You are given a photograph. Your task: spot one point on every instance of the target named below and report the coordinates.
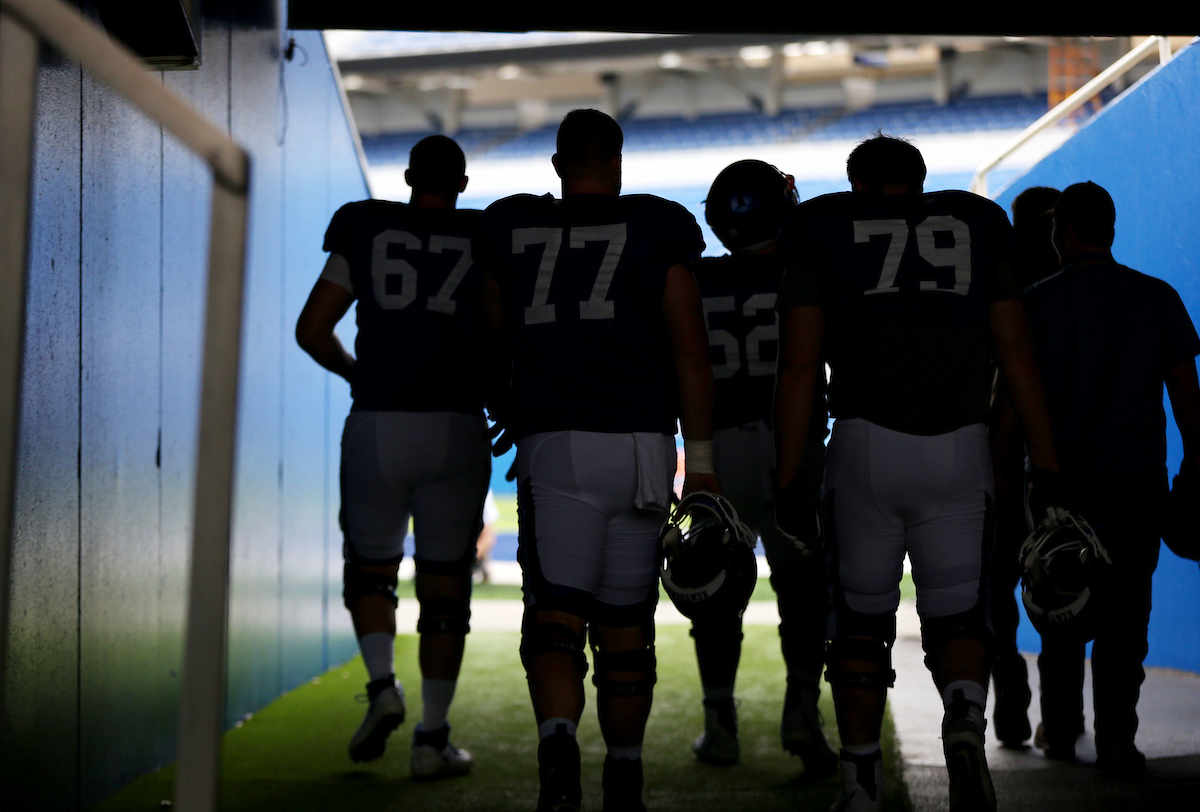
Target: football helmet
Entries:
(747, 204)
(708, 567)
(1064, 568)
(1181, 531)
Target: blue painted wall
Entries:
(110, 403)
(1142, 149)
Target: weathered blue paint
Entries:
(1142, 149)
(108, 437)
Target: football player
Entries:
(906, 296)
(415, 441)
(745, 208)
(599, 346)
(1032, 211)
(1094, 324)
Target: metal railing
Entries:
(22, 24)
(1071, 104)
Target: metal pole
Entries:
(18, 75)
(116, 66)
(1067, 106)
(203, 686)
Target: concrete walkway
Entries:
(1169, 734)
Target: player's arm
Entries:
(1008, 453)
(1013, 350)
(325, 307)
(801, 330)
(497, 363)
(1183, 388)
(689, 348)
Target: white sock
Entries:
(862, 767)
(551, 726)
(379, 654)
(631, 753)
(861, 749)
(436, 694)
(972, 694)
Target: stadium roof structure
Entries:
(1017, 18)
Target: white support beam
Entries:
(18, 75)
(1070, 104)
(203, 689)
(202, 712)
(115, 65)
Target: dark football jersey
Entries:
(418, 305)
(905, 282)
(581, 283)
(738, 293)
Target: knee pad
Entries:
(972, 624)
(443, 614)
(460, 567)
(552, 638)
(357, 583)
(638, 661)
(877, 652)
(634, 614)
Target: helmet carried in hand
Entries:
(1064, 570)
(708, 567)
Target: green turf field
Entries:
(292, 755)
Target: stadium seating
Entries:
(742, 129)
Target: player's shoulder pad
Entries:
(659, 205)
(967, 201)
(520, 201)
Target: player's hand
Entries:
(1181, 531)
(498, 432)
(700, 482)
(1048, 498)
(798, 517)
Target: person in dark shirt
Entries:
(745, 208)
(415, 441)
(1107, 339)
(598, 348)
(907, 296)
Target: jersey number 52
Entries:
(747, 352)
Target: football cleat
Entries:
(384, 714)
(800, 732)
(862, 783)
(718, 744)
(622, 782)
(433, 756)
(558, 772)
(970, 781)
